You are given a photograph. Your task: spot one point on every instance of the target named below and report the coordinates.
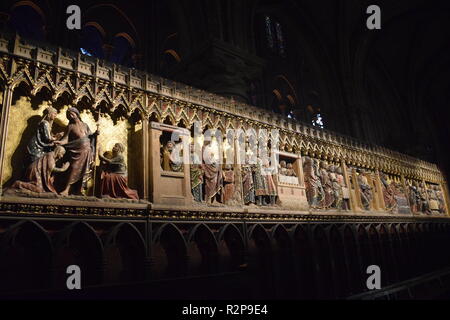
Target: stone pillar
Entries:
(7, 99)
(406, 189)
(301, 175)
(145, 158)
(148, 268)
(444, 190)
(380, 205)
(238, 162)
(351, 200)
(347, 182)
(358, 201)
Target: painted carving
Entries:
(313, 184)
(196, 173)
(365, 190)
(248, 189)
(213, 176)
(39, 177)
(114, 180)
(43, 141)
(388, 192)
(79, 143)
(169, 162)
(228, 184)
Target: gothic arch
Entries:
(285, 268)
(339, 260)
(324, 267)
(78, 244)
(25, 257)
(169, 251)
(305, 262)
(231, 247)
(364, 249)
(202, 250)
(125, 252)
(353, 259)
(260, 256)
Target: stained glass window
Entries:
(280, 40)
(317, 121)
(291, 115)
(84, 51)
(269, 33)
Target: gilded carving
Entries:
(110, 105)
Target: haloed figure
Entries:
(78, 141)
(114, 175)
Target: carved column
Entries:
(347, 182)
(7, 98)
(380, 199)
(371, 180)
(444, 190)
(301, 176)
(358, 203)
(145, 157)
(238, 167)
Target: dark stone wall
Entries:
(215, 259)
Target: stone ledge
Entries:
(77, 208)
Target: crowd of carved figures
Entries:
(325, 185)
(63, 163)
(425, 198)
(213, 182)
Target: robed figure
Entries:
(43, 140)
(213, 176)
(114, 176)
(269, 183)
(79, 142)
(169, 160)
(388, 192)
(196, 173)
(314, 189)
(228, 184)
(39, 176)
(248, 188)
(366, 190)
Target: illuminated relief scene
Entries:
(140, 178)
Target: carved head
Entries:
(50, 113)
(283, 164)
(72, 114)
(59, 152)
(170, 145)
(118, 148)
